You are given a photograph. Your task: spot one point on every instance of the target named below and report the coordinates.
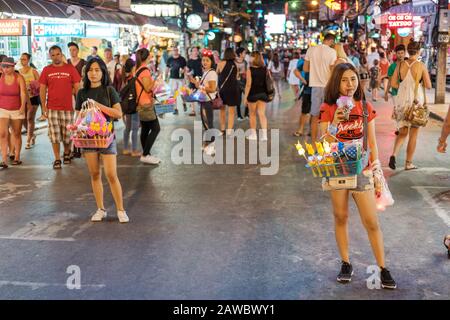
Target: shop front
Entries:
(34, 27)
(14, 37)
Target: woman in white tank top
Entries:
(404, 78)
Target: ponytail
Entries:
(141, 56)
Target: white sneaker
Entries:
(122, 215)
(98, 216)
(150, 159)
(210, 149)
(252, 136)
(264, 135)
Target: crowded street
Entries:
(218, 231)
(190, 152)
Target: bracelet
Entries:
(332, 129)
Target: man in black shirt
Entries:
(176, 65)
(194, 67)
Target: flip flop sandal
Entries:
(12, 157)
(57, 164)
(67, 159)
(16, 163)
(297, 134)
(410, 166)
(3, 165)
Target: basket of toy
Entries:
(91, 130)
(193, 95)
(336, 159)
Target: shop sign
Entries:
(59, 30)
(404, 32)
(400, 20)
(443, 38)
(102, 31)
(14, 27)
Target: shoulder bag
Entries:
(349, 182)
(146, 112)
(418, 114)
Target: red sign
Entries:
(400, 20)
(14, 27)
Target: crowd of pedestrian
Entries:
(317, 76)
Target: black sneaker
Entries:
(175, 112)
(345, 276)
(386, 279)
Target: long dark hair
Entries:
(105, 75)
(332, 92)
(127, 69)
(276, 60)
(141, 55)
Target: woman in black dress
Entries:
(256, 95)
(228, 89)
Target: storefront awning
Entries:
(55, 9)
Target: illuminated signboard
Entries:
(400, 20)
(59, 30)
(276, 23)
(157, 10)
(334, 5)
(14, 27)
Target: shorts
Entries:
(35, 101)
(364, 182)
(317, 97)
(57, 126)
(176, 84)
(306, 103)
(11, 114)
(375, 84)
(112, 149)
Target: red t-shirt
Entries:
(352, 129)
(59, 82)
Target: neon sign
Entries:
(400, 20)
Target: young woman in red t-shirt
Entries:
(344, 81)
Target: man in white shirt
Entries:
(372, 56)
(319, 61)
(110, 63)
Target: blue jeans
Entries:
(131, 126)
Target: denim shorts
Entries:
(112, 149)
(364, 182)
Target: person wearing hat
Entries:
(13, 99)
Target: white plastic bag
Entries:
(383, 196)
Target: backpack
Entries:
(129, 96)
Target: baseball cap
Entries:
(8, 62)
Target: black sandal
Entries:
(16, 163)
(12, 157)
(3, 165)
(67, 159)
(392, 162)
(57, 164)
